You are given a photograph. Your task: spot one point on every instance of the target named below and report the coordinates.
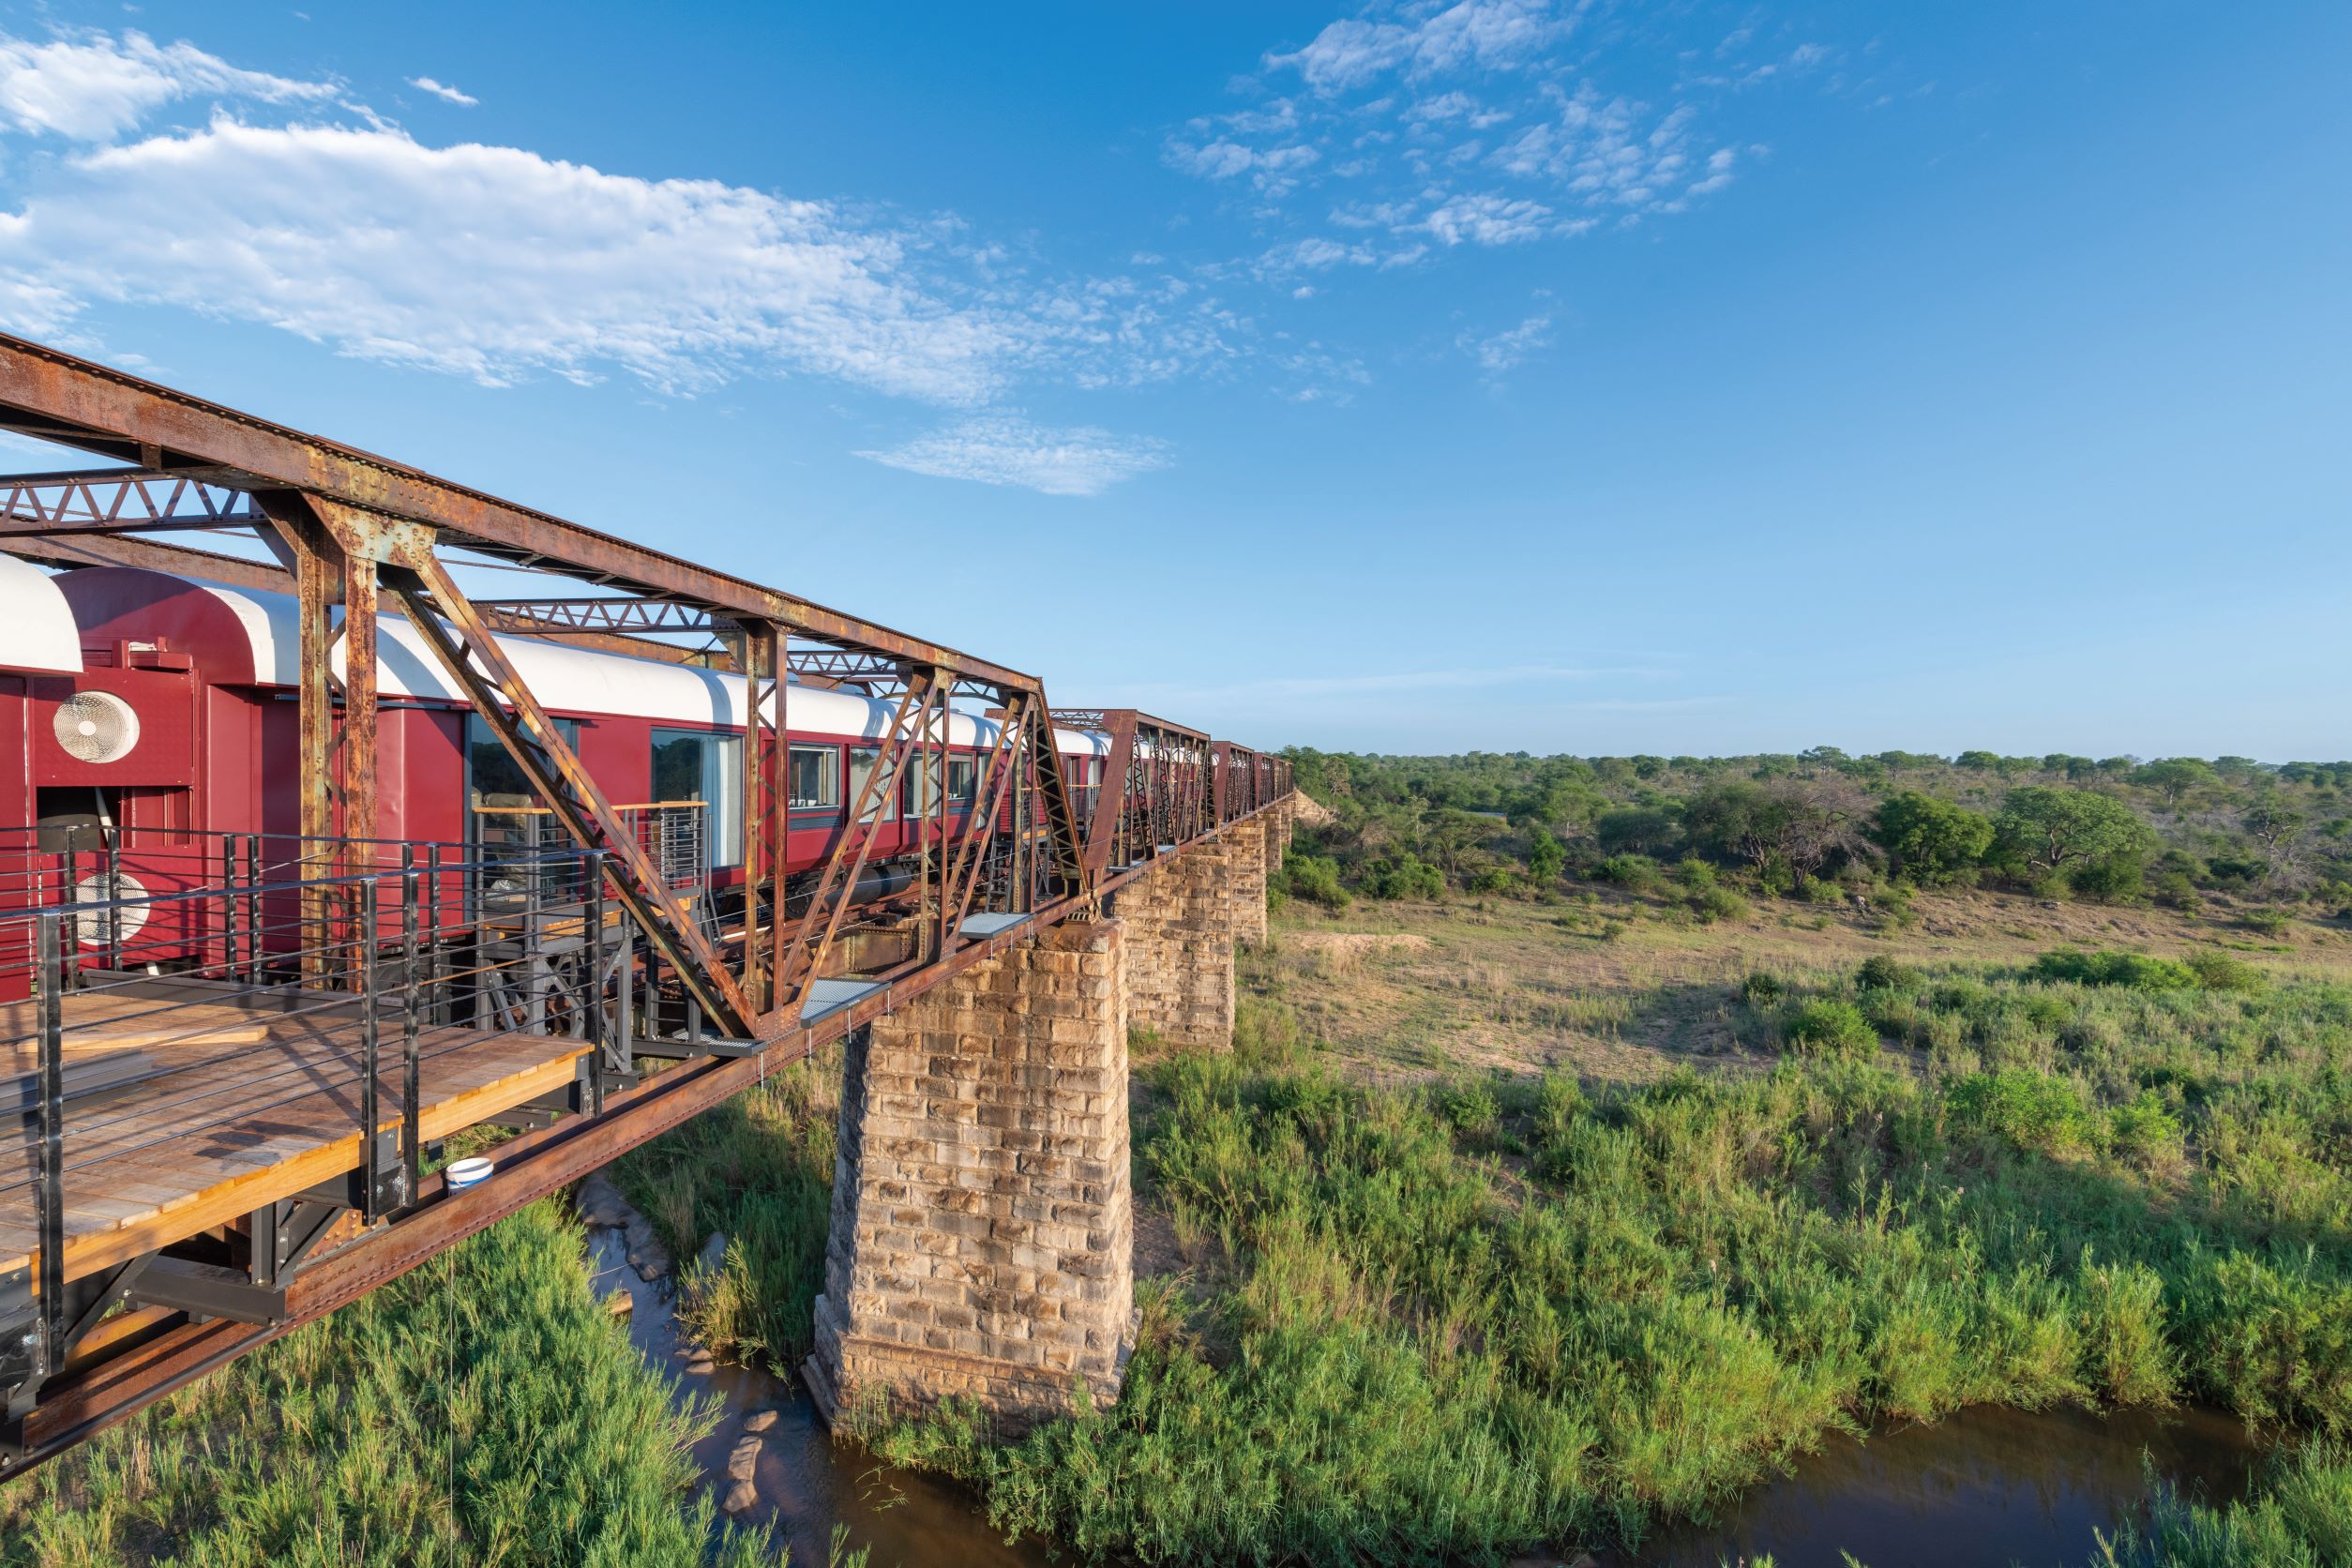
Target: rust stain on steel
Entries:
(69, 400)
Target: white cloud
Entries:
(443, 91)
(1504, 352)
(1486, 218)
(1475, 33)
(1273, 170)
(90, 86)
(1004, 449)
(492, 262)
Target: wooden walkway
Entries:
(193, 1103)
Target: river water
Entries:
(1985, 1489)
(807, 1482)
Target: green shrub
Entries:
(2146, 1133)
(1761, 989)
(1470, 1107)
(2136, 970)
(1404, 877)
(1882, 972)
(1828, 1028)
(1712, 904)
(2029, 1109)
(1315, 879)
(1637, 871)
(2270, 923)
(2219, 972)
(1694, 874)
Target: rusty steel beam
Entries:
(804, 961)
(120, 549)
(114, 501)
(60, 398)
(476, 664)
(611, 613)
(239, 571)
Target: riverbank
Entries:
(1437, 1311)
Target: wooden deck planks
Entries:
(249, 1100)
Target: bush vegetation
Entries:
(1398, 1347)
(1824, 827)
(478, 1410)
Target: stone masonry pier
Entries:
(983, 1224)
(982, 1229)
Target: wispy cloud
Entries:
(443, 91)
(493, 263)
(1004, 449)
(1477, 124)
(502, 264)
(86, 86)
(1504, 352)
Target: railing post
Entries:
(369, 1115)
(69, 896)
(114, 896)
(229, 906)
(51, 1218)
(253, 908)
(592, 997)
(534, 1003)
(412, 1148)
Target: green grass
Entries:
(2302, 1518)
(481, 1411)
(1417, 1332)
(759, 1170)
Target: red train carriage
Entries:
(179, 727)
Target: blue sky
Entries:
(1502, 374)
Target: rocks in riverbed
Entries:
(647, 1256)
(743, 1460)
(741, 1498)
(601, 1202)
(759, 1421)
(620, 1303)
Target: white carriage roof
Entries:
(37, 632)
(569, 679)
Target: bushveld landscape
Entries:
(1597, 1139)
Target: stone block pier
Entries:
(983, 1233)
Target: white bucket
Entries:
(465, 1173)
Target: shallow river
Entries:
(1982, 1489)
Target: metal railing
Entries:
(215, 1010)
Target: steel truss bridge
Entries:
(90, 1332)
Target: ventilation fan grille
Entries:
(97, 727)
(94, 928)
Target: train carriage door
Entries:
(705, 767)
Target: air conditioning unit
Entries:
(96, 726)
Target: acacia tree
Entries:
(2049, 829)
(1931, 840)
(2175, 776)
(1805, 824)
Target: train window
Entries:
(863, 760)
(963, 779)
(503, 812)
(815, 778)
(695, 764)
